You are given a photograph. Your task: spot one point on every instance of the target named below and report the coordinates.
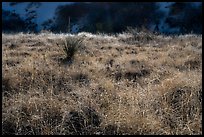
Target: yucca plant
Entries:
(71, 46)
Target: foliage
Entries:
(186, 17)
(8, 19)
(107, 16)
(31, 16)
(71, 46)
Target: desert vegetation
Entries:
(134, 83)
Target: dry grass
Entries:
(122, 84)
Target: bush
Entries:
(71, 46)
(138, 36)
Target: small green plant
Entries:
(71, 46)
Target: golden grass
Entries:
(115, 85)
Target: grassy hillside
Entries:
(130, 83)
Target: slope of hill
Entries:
(130, 83)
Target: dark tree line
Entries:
(11, 22)
(108, 17)
(116, 17)
(186, 16)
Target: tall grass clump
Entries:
(71, 46)
(139, 36)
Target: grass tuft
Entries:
(71, 46)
